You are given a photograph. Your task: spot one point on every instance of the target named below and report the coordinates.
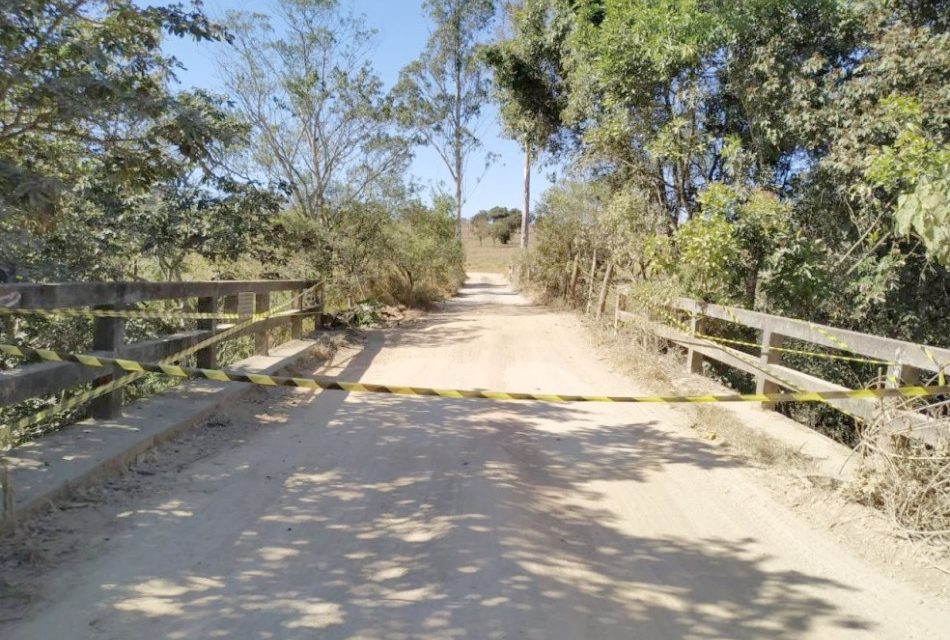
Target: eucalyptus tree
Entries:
(529, 82)
(442, 94)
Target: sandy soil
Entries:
(366, 516)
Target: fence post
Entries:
(321, 307)
(207, 358)
(768, 356)
(694, 359)
(108, 335)
(262, 337)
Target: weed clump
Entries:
(907, 478)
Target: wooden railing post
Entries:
(262, 337)
(296, 323)
(321, 308)
(694, 359)
(899, 374)
(768, 356)
(108, 335)
(207, 358)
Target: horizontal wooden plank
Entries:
(39, 379)
(43, 378)
(907, 353)
(88, 294)
(905, 422)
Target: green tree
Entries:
(87, 80)
(425, 250)
(89, 128)
(321, 125)
(480, 226)
(528, 75)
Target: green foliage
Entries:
(85, 105)
(708, 250)
(791, 156)
(565, 230)
(527, 73)
(481, 226)
(503, 223)
(103, 169)
(425, 250)
(797, 275)
(919, 170)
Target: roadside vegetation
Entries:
(298, 168)
(791, 157)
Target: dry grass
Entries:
(486, 257)
(907, 479)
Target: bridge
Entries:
(253, 511)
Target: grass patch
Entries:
(488, 256)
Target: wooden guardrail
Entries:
(908, 362)
(108, 337)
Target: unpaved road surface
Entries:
(368, 516)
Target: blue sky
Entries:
(402, 32)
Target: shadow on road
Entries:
(409, 517)
(472, 521)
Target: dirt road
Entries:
(359, 516)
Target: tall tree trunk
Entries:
(458, 125)
(526, 210)
(575, 270)
(458, 193)
(602, 300)
(590, 282)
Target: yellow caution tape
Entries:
(134, 313)
(317, 383)
(803, 352)
(815, 354)
(754, 363)
(139, 372)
